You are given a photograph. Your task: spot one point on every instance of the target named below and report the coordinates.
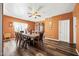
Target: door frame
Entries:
(59, 30)
(74, 29)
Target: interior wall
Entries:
(76, 14)
(9, 29)
(53, 32)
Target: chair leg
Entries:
(29, 43)
(33, 42)
(25, 44)
(20, 43)
(16, 43)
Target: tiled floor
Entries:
(51, 48)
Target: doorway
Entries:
(74, 30)
(64, 30)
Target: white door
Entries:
(64, 30)
(74, 30)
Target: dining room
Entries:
(18, 31)
(33, 29)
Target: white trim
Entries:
(77, 52)
(74, 29)
(51, 39)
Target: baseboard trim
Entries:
(5, 40)
(77, 52)
(51, 39)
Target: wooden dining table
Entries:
(32, 36)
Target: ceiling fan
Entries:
(34, 12)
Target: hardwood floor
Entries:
(0, 50)
(51, 48)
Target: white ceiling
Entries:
(20, 10)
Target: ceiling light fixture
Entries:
(34, 12)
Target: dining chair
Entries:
(26, 41)
(39, 40)
(42, 40)
(19, 39)
(16, 37)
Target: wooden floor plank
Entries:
(51, 48)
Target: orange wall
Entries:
(9, 19)
(53, 32)
(76, 13)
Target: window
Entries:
(20, 26)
